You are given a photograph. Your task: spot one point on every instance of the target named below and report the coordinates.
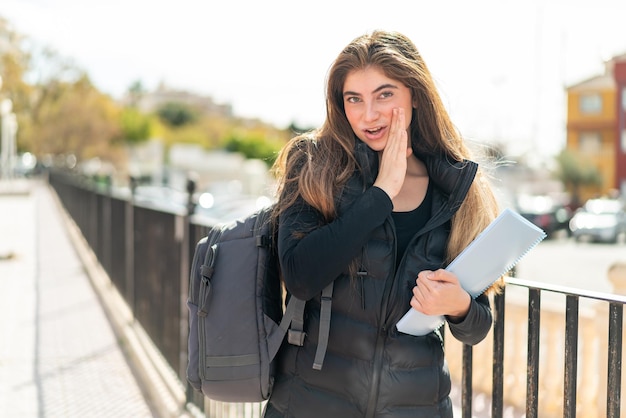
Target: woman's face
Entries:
(369, 98)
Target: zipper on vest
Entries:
(381, 338)
(361, 274)
(373, 397)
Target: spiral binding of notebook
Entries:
(489, 256)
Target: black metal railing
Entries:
(570, 355)
(147, 253)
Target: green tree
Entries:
(575, 172)
(58, 109)
(14, 64)
(80, 120)
(177, 114)
(253, 146)
(136, 126)
(135, 93)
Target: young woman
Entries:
(378, 200)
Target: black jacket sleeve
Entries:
(476, 324)
(312, 254)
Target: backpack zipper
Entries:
(205, 283)
(203, 302)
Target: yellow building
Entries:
(592, 132)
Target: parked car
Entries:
(599, 220)
(545, 212)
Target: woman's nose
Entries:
(371, 112)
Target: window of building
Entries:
(591, 103)
(590, 142)
(624, 99)
(623, 142)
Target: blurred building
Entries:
(218, 169)
(619, 72)
(596, 125)
(150, 101)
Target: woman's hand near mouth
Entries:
(393, 159)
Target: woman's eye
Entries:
(352, 99)
(385, 94)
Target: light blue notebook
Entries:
(492, 253)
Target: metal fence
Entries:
(147, 253)
(541, 350)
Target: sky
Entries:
(500, 66)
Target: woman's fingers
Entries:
(439, 293)
(393, 160)
(398, 135)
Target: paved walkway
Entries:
(59, 356)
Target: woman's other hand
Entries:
(440, 293)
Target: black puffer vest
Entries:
(371, 369)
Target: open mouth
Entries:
(374, 131)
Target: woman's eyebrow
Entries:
(379, 88)
(351, 93)
(385, 86)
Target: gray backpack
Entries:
(236, 318)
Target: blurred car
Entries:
(545, 212)
(599, 220)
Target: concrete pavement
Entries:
(61, 345)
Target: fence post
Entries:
(184, 283)
(497, 391)
(130, 246)
(571, 357)
(106, 224)
(532, 385)
(617, 276)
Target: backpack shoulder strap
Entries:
(322, 341)
(292, 324)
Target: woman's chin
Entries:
(377, 144)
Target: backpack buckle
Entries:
(296, 337)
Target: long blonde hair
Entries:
(315, 165)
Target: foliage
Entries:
(187, 134)
(59, 111)
(177, 114)
(78, 119)
(13, 86)
(253, 146)
(13, 67)
(216, 129)
(136, 126)
(135, 92)
(575, 172)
